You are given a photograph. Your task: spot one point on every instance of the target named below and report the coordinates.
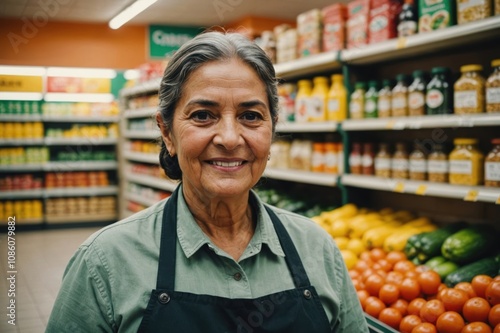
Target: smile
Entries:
(226, 164)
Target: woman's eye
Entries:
(201, 115)
(251, 116)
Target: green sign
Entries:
(165, 40)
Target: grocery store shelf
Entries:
(315, 178)
(417, 122)
(80, 141)
(20, 117)
(142, 157)
(27, 221)
(21, 167)
(80, 119)
(322, 126)
(143, 134)
(80, 165)
(159, 183)
(425, 188)
(21, 194)
(423, 43)
(80, 191)
(81, 218)
(143, 88)
(140, 199)
(140, 113)
(21, 142)
(311, 64)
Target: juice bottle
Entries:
(319, 99)
(302, 100)
(357, 103)
(337, 99)
(371, 100)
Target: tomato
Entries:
(374, 306)
(453, 299)
(497, 329)
(401, 305)
(360, 266)
(408, 323)
(450, 322)
(377, 253)
(354, 274)
(391, 317)
(476, 327)
(480, 283)
(415, 305)
(365, 256)
(403, 266)
(424, 328)
(494, 315)
(395, 278)
(384, 265)
(373, 283)
(363, 296)
(429, 282)
(476, 309)
(388, 293)
(492, 292)
(358, 284)
(409, 288)
(395, 256)
(431, 311)
(467, 287)
(421, 268)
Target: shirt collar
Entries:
(192, 238)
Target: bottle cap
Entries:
(471, 68)
(337, 77)
(373, 84)
(359, 85)
(439, 70)
(495, 63)
(387, 82)
(418, 73)
(465, 141)
(401, 77)
(320, 79)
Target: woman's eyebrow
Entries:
(203, 102)
(252, 103)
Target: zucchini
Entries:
(486, 266)
(412, 246)
(469, 244)
(446, 268)
(434, 262)
(431, 242)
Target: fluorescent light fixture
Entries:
(129, 13)
(79, 97)
(131, 74)
(81, 72)
(22, 70)
(20, 96)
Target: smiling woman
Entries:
(221, 259)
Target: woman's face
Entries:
(222, 130)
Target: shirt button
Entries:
(237, 276)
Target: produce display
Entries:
(415, 276)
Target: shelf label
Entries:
(400, 187)
(19, 83)
(421, 189)
(471, 195)
(401, 43)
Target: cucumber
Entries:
(446, 268)
(469, 244)
(431, 242)
(412, 246)
(486, 266)
(434, 262)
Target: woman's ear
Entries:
(166, 134)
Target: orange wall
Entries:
(72, 45)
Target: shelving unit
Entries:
(313, 178)
(162, 184)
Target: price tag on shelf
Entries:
(471, 195)
(421, 189)
(400, 187)
(390, 124)
(401, 43)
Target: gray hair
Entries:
(204, 48)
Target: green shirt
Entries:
(108, 282)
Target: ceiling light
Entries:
(80, 97)
(81, 72)
(20, 96)
(129, 13)
(22, 70)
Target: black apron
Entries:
(296, 310)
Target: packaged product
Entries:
(337, 99)
(469, 90)
(371, 100)
(300, 155)
(286, 43)
(318, 157)
(416, 94)
(367, 160)
(384, 99)
(399, 101)
(331, 157)
(493, 88)
(334, 21)
(309, 28)
(303, 100)
(438, 95)
(267, 42)
(383, 161)
(286, 94)
(408, 19)
(399, 162)
(437, 165)
(319, 99)
(280, 152)
(473, 10)
(358, 12)
(418, 164)
(383, 20)
(355, 159)
(357, 103)
(492, 165)
(435, 14)
(466, 163)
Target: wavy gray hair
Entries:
(207, 47)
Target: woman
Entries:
(221, 260)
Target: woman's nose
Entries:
(228, 133)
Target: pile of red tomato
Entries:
(413, 299)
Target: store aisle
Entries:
(41, 257)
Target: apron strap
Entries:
(166, 263)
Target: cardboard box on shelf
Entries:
(334, 22)
(383, 20)
(358, 12)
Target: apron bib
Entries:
(296, 310)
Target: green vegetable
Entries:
(412, 246)
(431, 242)
(445, 269)
(434, 262)
(469, 244)
(486, 266)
